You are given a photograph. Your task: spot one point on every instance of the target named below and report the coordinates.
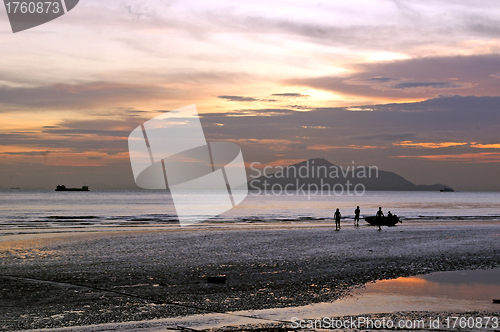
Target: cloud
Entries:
(76, 96)
(388, 136)
(96, 132)
(97, 127)
(482, 157)
(372, 80)
(324, 147)
(416, 78)
(290, 95)
(246, 99)
(249, 113)
(271, 144)
(433, 85)
(486, 146)
(380, 137)
(238, 98)
(394, 128)
(28, 153)
(483, 25)
(384, 23)
(74, 136)
(77, 143)
(430, 145)
(389, 133)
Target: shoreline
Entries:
(266, 267)
(33, 233)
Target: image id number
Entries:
(33, 7)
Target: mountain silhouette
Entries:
(320, 174)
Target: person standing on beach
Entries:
(380, 215)
(356, 216)
(337, 216)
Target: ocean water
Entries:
(48, 208)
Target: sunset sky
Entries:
(412, 87)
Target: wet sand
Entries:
(95, 277)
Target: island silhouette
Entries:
(324, 174)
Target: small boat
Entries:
(383, 221)
(63, 188)
(15, 188)
(446, 190)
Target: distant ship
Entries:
(447, 190)
(15, 188)
(63, 188)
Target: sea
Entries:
(47, 208)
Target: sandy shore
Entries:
(51, 281)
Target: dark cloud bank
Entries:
(416, 78)
(370, 135)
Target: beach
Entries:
(109, 276)
(201, 166)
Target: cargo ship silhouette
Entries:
(63, 188)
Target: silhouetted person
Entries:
(337, 216)
(356, 216)
(380, 215)
(389, 216)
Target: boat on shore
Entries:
(62, 187)
(383, 221)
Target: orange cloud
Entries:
(485, 146)
(483, 157)
(321, 147)
(324, 147)
(411, 144)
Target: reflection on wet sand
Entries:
(463, 285)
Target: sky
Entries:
(411, 87)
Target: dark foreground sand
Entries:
(129, 276)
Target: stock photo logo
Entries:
(205, 179)
(25, 15)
